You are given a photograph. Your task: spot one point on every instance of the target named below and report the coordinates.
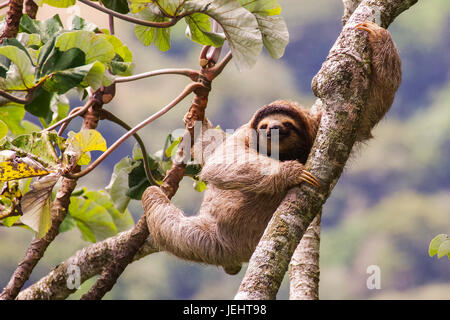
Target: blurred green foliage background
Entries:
(393, 198)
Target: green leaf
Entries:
(40, 105)
(444, 249)
(118, 185)
(9, 221)
(275, 34)
(16, 43)
(160, 37)
(57, 60)
(21, 167)
(96, 216)
(137, 179)
(68, 224)
(240, 27)
(272, 26)
(79, 144)
(3, 129)
(39, 145)
(117, 5)
(122, 220)
(169, 6)
(199, 28)
(199, 186)
(120, 49)
(60, 107)
(95, 46)
(36, 204)
(46, 29)
(171, 149)
(119, 67)
(92, 75)
(262, 7)
(436, 243)
(93, 220)
(20, 75)
(58, 3)
(12, 116)
(79, 23)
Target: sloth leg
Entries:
(192, 238)
(385, 77)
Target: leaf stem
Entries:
(71, 115)
(111, 24)
(141, 22)
(13, 98)
(185, 72)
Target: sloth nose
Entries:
(274, 127)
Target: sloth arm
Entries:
(249, 171)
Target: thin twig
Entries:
(65, 124)
(111, 24)
(111, 117)
(185, 72)
(190, 88)
(141, 22)
(15, 99)
(218, 68)
(4, 4)
(71, 116)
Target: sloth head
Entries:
(286, 126)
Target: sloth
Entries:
(246, 182)
(245, 188)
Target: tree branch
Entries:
(12, 19)
(27, 99)
(342, 85)
(31, 8)
(90, 261)
(349, 7)
(304, 270)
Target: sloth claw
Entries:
(368, 26)
(375, 31)
(309, 178)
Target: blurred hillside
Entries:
(393, 198)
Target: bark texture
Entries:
(31, 8)
(304, 270)
(12, 19)
(342, 85)
(90, 261)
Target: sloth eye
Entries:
(263, 126)
(288, 125)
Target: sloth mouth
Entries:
(281, 135)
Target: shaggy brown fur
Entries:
(244, 187)
(385, 77)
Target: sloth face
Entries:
(277, 131)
